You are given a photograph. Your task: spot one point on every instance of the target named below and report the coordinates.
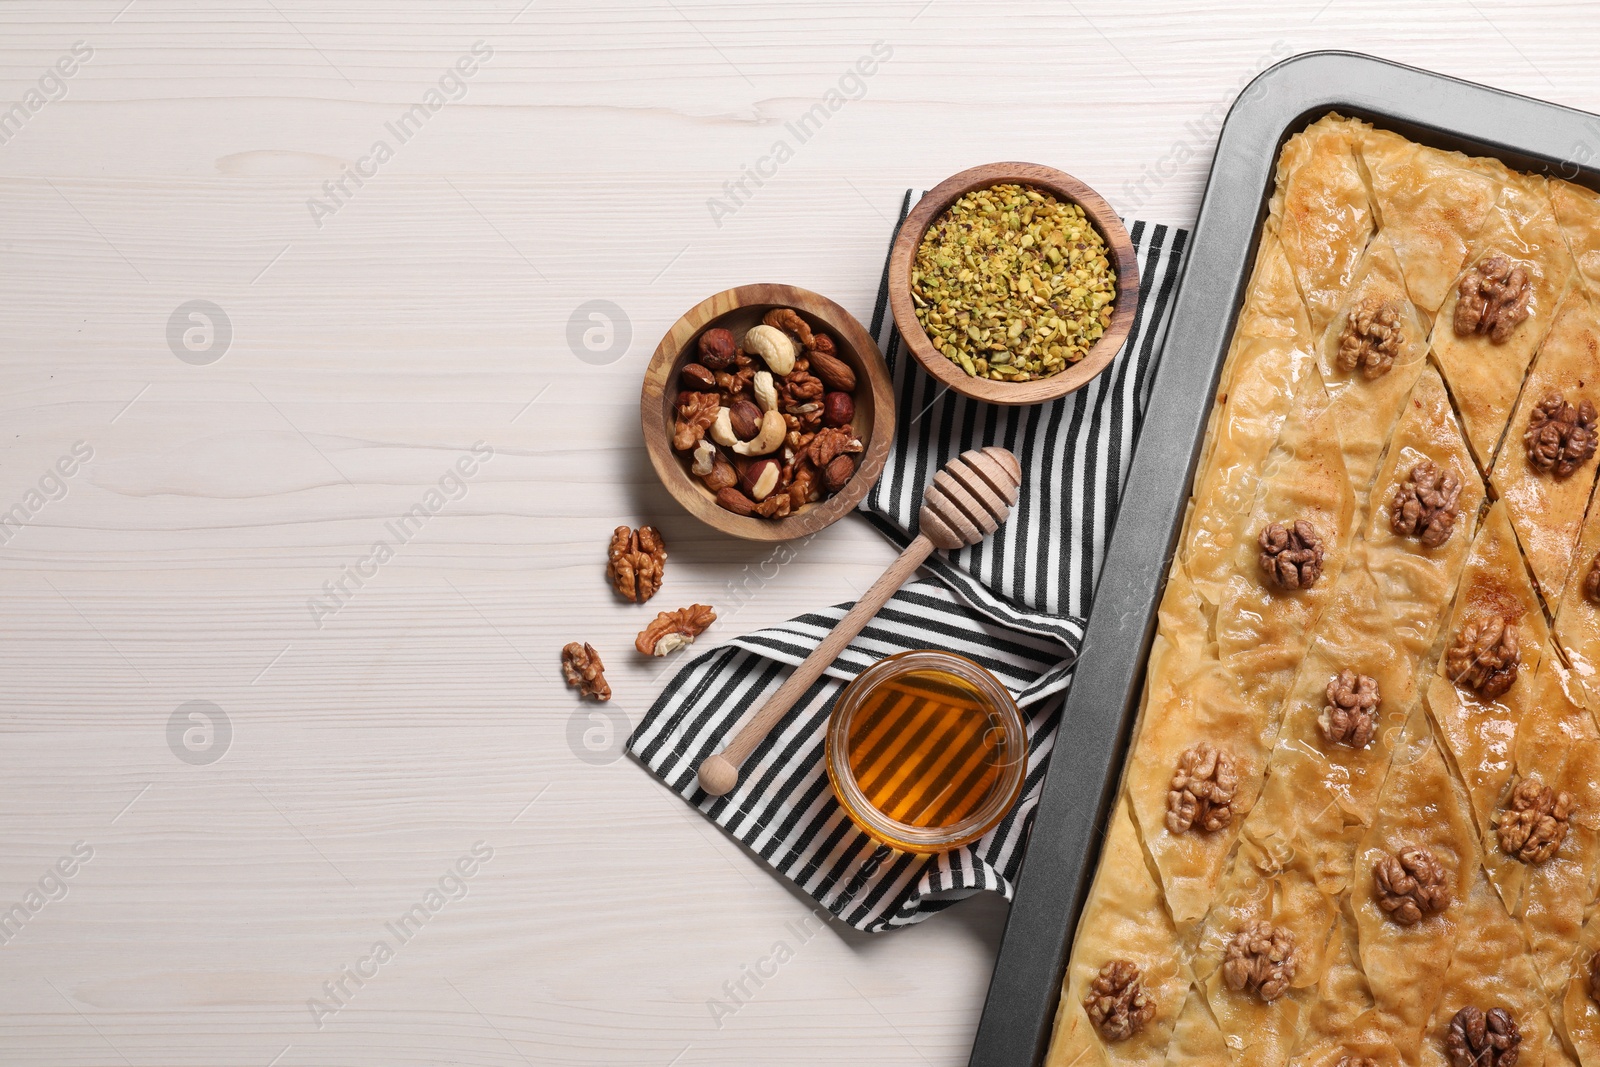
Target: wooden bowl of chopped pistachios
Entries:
(1013, 283)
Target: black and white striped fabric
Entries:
(1015, 603)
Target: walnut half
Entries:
(672, 630)
(1561, 436)
(1479, 1039)
(1533, 823)
(1260, 958)
(635, 562)
(1484, 656)
(1201, 794)
(581, 666)
(1117, 1003)
(1372, 337)
(1350, 717)
(1591, 581)
(1410, 885)
(1291, 556)
(1493, 298)
(1426, 504)
(1594, 977)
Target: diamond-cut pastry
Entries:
(1485, 374)
(1548, 511)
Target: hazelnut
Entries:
(745, 418)
(837, 473)
(760, 479)
(717, 349)
(722, 475)
(700, 379)
(838, 409)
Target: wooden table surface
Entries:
(241, 741)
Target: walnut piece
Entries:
(1372, 338)
(1291, 556)
(1476, 1039)
(1533, 823)
(1350, 716)
(1594, 977)
(672, 630)
(696, 413)
(830, 443)
(1494, 298)
(1201, 794)
(1591, 581)
(581, 666)
(798, 388)
(1484, 656)
(789, 320)
(1560, 437)
(1117, 1003)
(636, 561)
(1409, 885)
(1426, 505)
(1260, 958)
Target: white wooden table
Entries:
(350, 750)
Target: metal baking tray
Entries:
(1086, 770)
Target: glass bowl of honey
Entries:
(926, 751)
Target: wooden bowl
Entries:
(737, 310)
(1064, 187)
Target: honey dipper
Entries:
(969, 498)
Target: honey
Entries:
(926, 751)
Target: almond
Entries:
(736, 502)
(834, 372)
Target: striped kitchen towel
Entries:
(1016, 603)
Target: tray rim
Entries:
(1084, 778)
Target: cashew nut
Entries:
(773, 346)
(766, 391)
(721, 430)
(705, 457)
(769, 437)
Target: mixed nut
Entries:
(636, 562)
(1012, 284)
(768, 419)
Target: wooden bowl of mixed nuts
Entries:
(1013, 283)
(767, 411)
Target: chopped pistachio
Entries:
(1025, 278)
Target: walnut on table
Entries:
(1561, 436)
(1479, 1039)
(1534, 822)
(635, 562)
(1484, 657)
(1202, 790)
(1117, 1003)
(1350, 717)
(1372, 338)
(1410, 884)
(581, 666)
(1426, 505)
(1261, 959)
(672, 630)
(1291, 555)
(1493, 298)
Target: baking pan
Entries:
(1085, 772)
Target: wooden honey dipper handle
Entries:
(968, 500)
